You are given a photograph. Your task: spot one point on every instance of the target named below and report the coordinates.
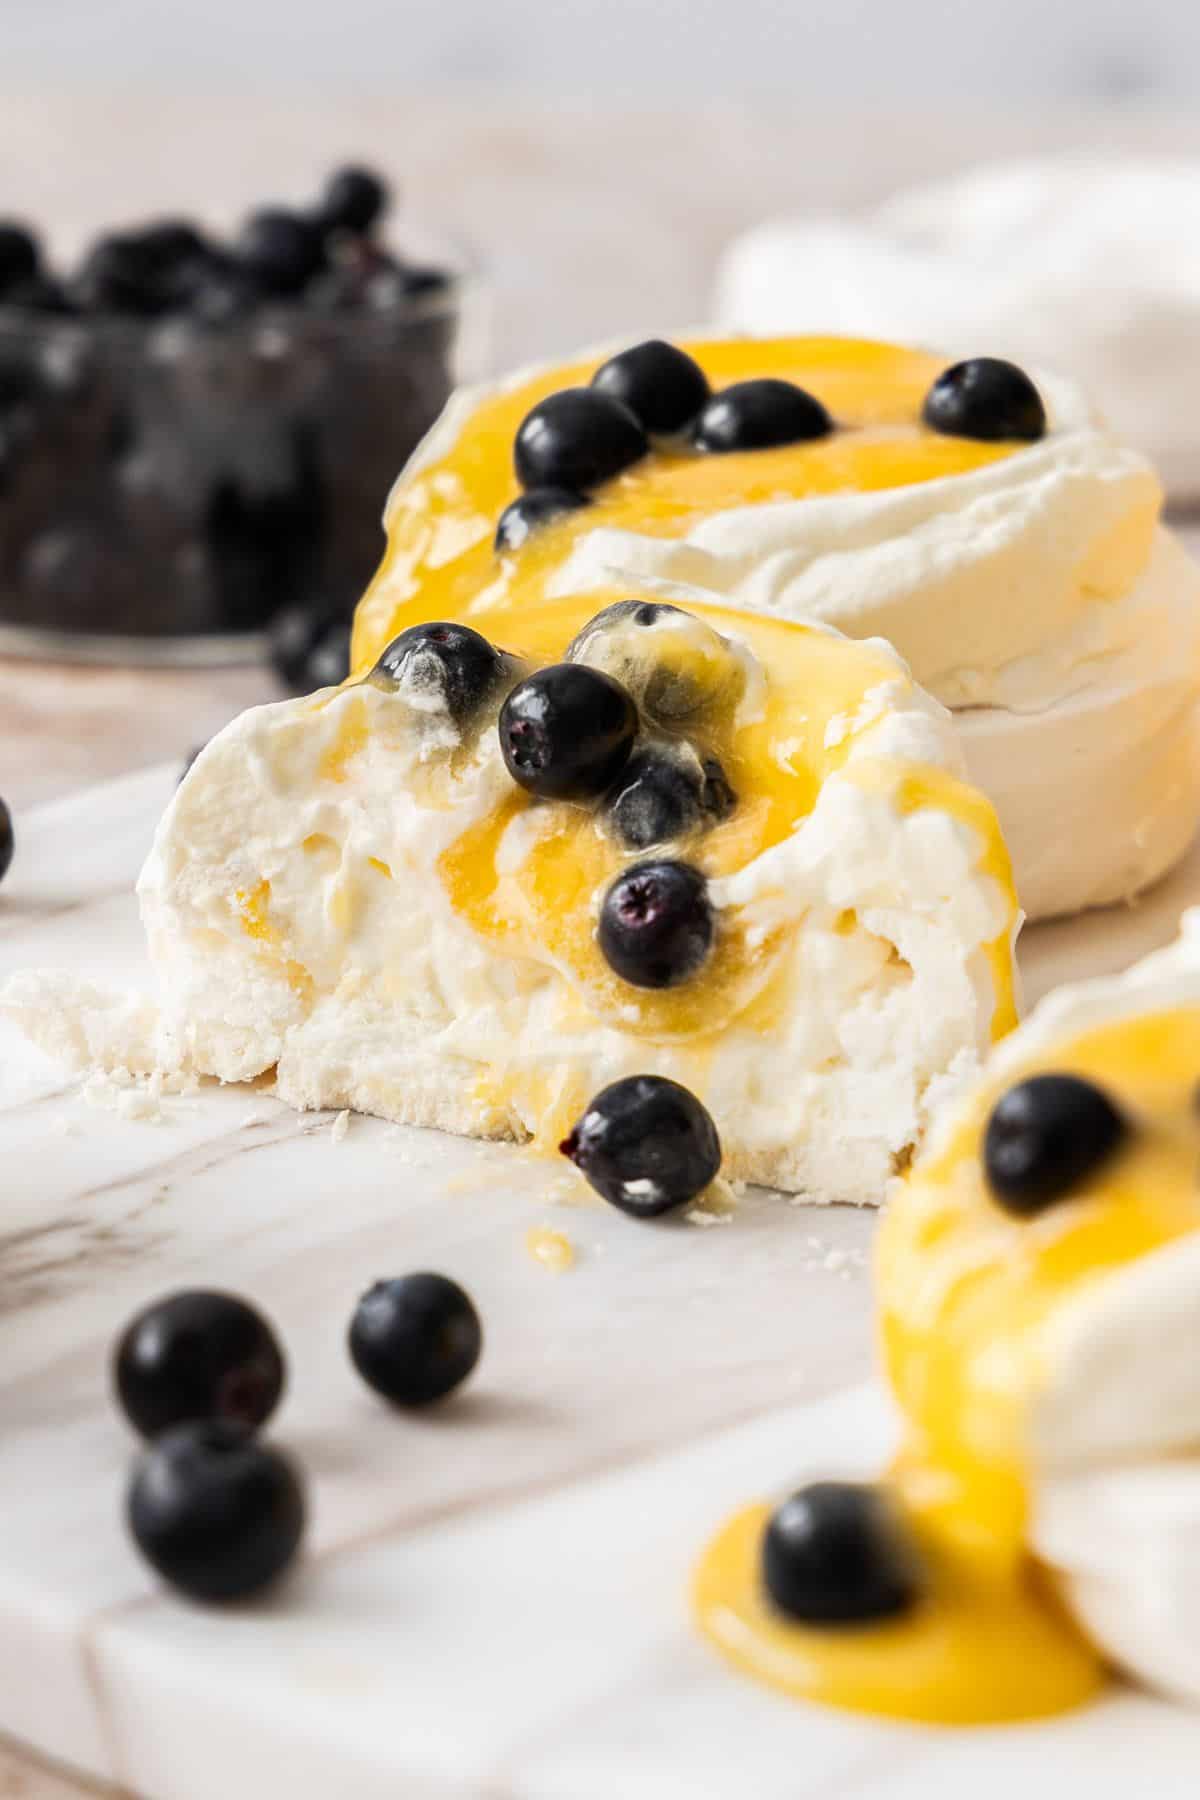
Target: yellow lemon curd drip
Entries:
(440, 563)
(966, 1294)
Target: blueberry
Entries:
(1044, 1137)
(7, 840)
(216, 1513)
(418, 280)
(118, 275)
(310, 648)
(758, 415)
(985, 398)
(656, 924)
(416, 1338)
(662, 386)
(567, 732)
(664, 793)
(837, 1553)
(450, 663)
(524, 514)
(198, 1355)
(40, 294)
(577, 438)
(673, 663)
(355, 199)
(146, 272)
(645, 1144)
(19, 259)
(280, 250)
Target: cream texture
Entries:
(1115, 1426)
(1085, 263)
(1038, 597)
(364, 988)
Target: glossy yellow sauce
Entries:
(542, 902)
(440, 563)
(965, 1293)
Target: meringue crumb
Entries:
(552, 1249)
(135, 1097)
(340, 1127)
(832, 1259)
(717, 1204)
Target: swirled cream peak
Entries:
(1030, 586)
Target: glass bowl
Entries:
(167, 487)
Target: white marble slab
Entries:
(493, 1600)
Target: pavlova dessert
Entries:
(568, 828)
(979, 518)
(1038, 1285)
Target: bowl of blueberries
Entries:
(197, 436)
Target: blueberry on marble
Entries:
(567, 732)
(19, 256)
(662, 386)
(657, 923)
(1045, 1137)
(837, 1553)
(280, 250)
(664, 793)
(529, 511)
(7, 840)
(988, 399)
(200, 1354)
(449, 662)
(216, 1513)
(415, 1338)
(761, 415)
(646, 1145)
(577, 438)
(355, 199)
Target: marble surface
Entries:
(589, 220)
(492, 1602)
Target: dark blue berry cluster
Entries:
(216, 1512)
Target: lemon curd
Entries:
(440, 562)
(966, 1295)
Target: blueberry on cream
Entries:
(761, 415)
(663, 387)
(657, 924)
(985, 398)
(529, 511)
(579, 438)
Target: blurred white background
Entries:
(635, 50)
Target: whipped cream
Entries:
(298, 922)
(1114, 1430)
(1038, 597)
(1086, 263)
